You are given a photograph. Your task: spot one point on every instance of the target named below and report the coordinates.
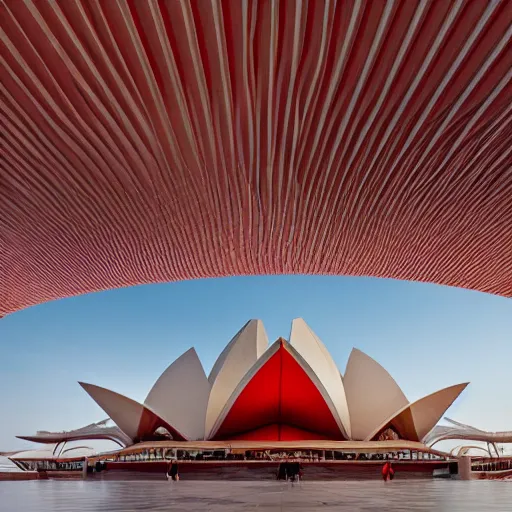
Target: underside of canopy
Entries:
(158, 141)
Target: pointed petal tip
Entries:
(189, 351)
(259, 323)
(355, 352)
(184, 412)
(88, 385)
(462, 386)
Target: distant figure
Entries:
(388, 471)
(293, 471)
(296, 470)
(172, 473)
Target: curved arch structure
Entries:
(95, 431)
(158, 141)
(181, 395)
(136, 420)
(465, 432)
(311, 348)
(464, 450)
(416, 420)
(372, 394)
(75, 448)
(280, 398)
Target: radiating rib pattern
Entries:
(164, 140)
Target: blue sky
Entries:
(427, 336)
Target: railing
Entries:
(150, 455)
(501, 464)
(49, 465)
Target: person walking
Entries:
(385, 471)
(281, 471)
(172, 473)
(388, 471)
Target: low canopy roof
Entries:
(345, 446)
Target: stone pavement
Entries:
(349, 496)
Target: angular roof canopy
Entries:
(287, 392)
(414, 421)
(280, 398)
(181, 395)
(69, 453)
(99, 430)
(239, 356)
(160, 141)
(135, 420)
(311, 348)
(372, 394)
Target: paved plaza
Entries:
(351, 496)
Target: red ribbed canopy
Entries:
(147, 141)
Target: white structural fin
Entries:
(247, 377)
(124, 412)
(372, 394)
(134, 419)
(247, 346)
(180, 395)
(314, 352)
(414, 421)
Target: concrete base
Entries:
(192, 496)
(465, 472)
(493, 475)
(11, 476)
(266, 470)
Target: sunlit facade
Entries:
(290, 391)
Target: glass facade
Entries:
(50, 465)
(168, 454)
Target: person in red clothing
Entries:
(385, 471)
(388, 471)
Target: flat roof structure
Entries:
(158, 141)
(345, 446)
(99, 431)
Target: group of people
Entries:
(290, 471)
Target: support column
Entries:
(464, 464)
(84, 470)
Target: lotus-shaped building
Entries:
(288, 391)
